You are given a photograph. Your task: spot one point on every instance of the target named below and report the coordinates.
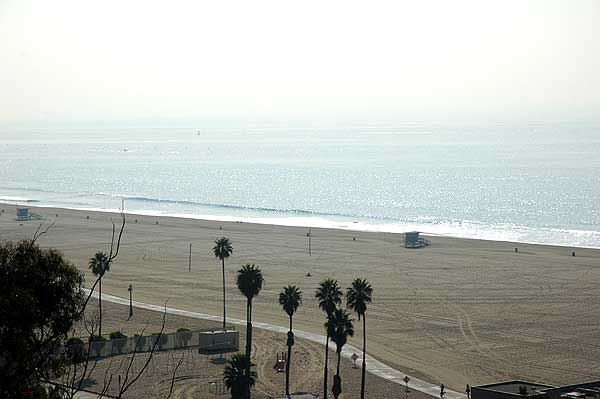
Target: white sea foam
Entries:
(9, 199)
(467, 229)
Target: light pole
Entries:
(130, 289)
(406, 380)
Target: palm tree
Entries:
(249, 282)
(290, 298)
(340, 327)
(329, 296)
(358, 296)
(234, 375)
(223, 250)
(99, 264)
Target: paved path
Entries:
(373, 366)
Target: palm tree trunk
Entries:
(326, 365)
(248, 328)
(364, 364)
(100, 305)
(337, 380)
(224, 319)
(287, 365)
(248, 346)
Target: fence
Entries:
(176, 340)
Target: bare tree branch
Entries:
(107, 383)
(112, 256)
(126, 385)
(46, 341)
(135, 350)
(92, 332)
(39, 232)
(173, 378)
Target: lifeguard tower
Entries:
(23, 214)
(412, 239)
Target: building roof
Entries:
(513, 387)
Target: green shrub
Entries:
(183, 337)
(75, 350)
(117, 335)
(97, 338)
(161, 340)
(118, 340)
(74, 341)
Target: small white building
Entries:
(220, 341)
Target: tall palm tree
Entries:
(249, 281)
(340, 326)
(223, 250)
(234, 375)
(329, 296)
(358, 296)
(290, 298)
(99, 264)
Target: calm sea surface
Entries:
(521, 182)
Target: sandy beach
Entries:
(197, 372)
(457, 312)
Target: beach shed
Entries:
(412, 239)
(221, 341)
(23, 214)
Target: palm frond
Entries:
(250, 280)
(290, 299)
(329, 296)
(223, 248)
(99, 263)
(359, 295)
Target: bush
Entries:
(75, 350)
(74, 341)
(162, 339)
(118, 340)
(117, 335)
(183, 337)
(97, 338)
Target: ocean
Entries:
(535, 182)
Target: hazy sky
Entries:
(126, 61)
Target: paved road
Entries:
(373, 366)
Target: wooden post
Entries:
(190, 259)
(130, 301)
(308, 235)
